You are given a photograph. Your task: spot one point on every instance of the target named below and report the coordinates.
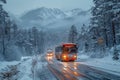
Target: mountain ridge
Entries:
(42, 17)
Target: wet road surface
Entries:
(77, 71)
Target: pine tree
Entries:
(41, 42)
(103, 15)
(4, 1)
(15, 30)
(115, 54)
(116, 19)
(5, 28)
(72, 35)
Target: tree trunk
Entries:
(114, 35)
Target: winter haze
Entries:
(18, 7)
(59, 39)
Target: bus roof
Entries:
(69, 44)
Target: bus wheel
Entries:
(58, 59)
(62, 60)
(71, 60)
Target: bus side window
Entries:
(58, 49)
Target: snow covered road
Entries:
(48, 68)
(78, 71)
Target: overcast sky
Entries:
(18, 7)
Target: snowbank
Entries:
(25, 70)
(82, 57)
(4, 64)
(23, 66)
(106, 64)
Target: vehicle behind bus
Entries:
(66, 52)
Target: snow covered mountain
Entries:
(42, 16)
(53, 18)
(44, 13)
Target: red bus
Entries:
(66, 52)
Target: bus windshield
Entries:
(73, 50)
(70, 50)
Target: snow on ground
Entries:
(3, 64)
(23, 66)
(82, 57)
(41, 70)
(105, 64)
(25, 70)
(28, 68)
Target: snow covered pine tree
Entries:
(72, 38)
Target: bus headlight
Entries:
(75, 56)
(64, 56)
